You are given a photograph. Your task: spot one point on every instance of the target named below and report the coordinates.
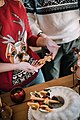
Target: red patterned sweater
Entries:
(14, 31)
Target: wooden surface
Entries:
(20, 110)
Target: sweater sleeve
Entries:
(31, 9)
(31, 39)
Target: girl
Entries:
(18, 63)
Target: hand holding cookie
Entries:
(47, 58)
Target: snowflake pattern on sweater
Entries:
(50, 6)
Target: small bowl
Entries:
(17, 95)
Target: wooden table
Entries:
(20, 110)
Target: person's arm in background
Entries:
(40, 41)
(30, 8)
(31, 13)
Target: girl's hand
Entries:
(25, 66)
